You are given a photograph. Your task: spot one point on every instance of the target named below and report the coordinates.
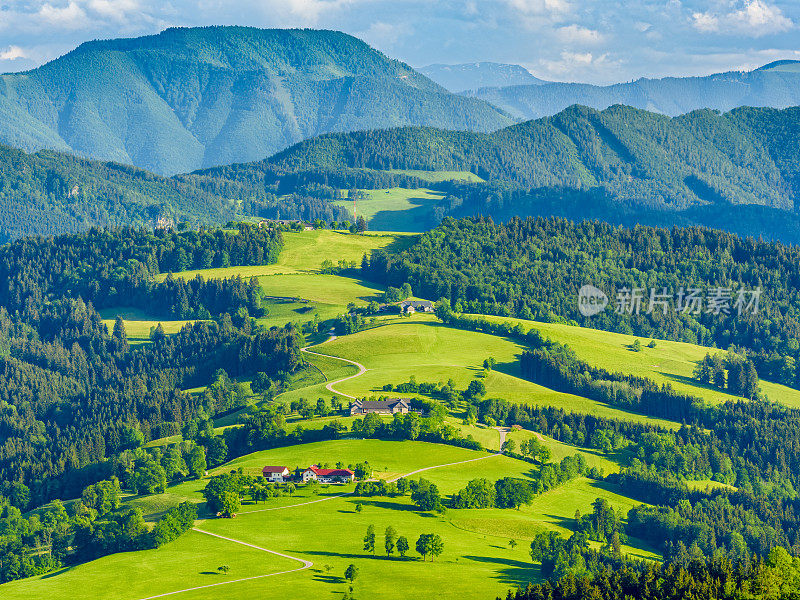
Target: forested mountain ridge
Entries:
(49, 193)
(197, 97)
(775, 85)
(636, 158)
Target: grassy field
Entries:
(669, 362)
(190, 561)
(305, 251)
(323, 527)
(397, 209)
(437, 176)
(433, 352)
(138, 323)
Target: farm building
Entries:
(412, 306)
(276, 474)
(328, 475)
(390, 406)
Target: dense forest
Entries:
(73, 393)
(534, 268)
(50, 193)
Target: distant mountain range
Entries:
(738, 170)
(472, 76)
(775, 85)
(191, 98)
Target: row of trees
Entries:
(428, 544)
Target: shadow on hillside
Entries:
(510, 368)
(328, 578)
(396, 506)
(56, 573)
(416, 219)
(511, 572)
(692, 382)
(562, 521)
(376, 556)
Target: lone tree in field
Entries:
(223, 569)
(350, 573)
(402, 545)
(359, 507)
(390, 539)
(430, 544)
(369, 539)
(512, 543)
(230, 503)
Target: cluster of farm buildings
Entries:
(281, 474)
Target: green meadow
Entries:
(138, 323)
(434, 352)
(398, 209)
(323, 527)
(438, 176)
(669, 362)
(305, 251)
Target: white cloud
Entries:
(574, 66)
(117, 10)
(13, 53)
(575, 34)
(535, 7)
(382, 35)
(753, 18)
(311, 10)
(71, 16)
(538, 14)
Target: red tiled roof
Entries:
(274, 469)
(331, 472)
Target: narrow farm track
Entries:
(306, 565)
(461, 462)
(361, 370)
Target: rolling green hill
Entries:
(638, 157)
(774, 85)
(735, 171)
(191, 98)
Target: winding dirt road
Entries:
(306, 564)
(361, 370)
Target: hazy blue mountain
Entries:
(738, 170)
(191, 98)
(471, 76)
(775, 85)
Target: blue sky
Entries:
(596, 41)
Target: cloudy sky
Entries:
(597, 41)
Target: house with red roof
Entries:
(276, 474)
(328, 475)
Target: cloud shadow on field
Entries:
(515, 572)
